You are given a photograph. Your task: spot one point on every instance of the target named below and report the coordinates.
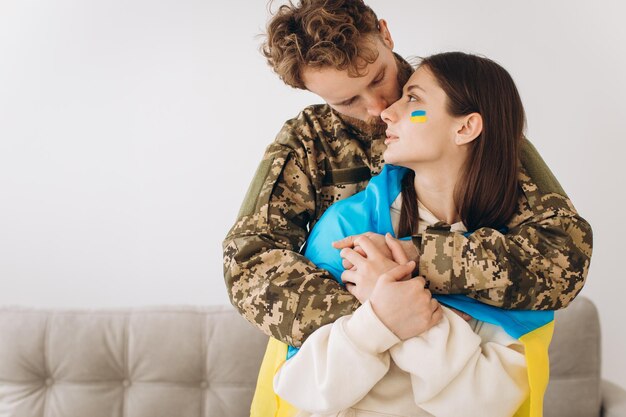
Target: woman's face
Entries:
(419, 128)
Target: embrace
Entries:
(404, 239)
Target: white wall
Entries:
(129, 131)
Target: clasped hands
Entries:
(378, 269)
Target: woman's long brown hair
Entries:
(488, 190)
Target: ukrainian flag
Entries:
(418, 116)
(369, 211)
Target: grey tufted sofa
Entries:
(201, 362)
(175, 362)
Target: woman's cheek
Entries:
(418, 117)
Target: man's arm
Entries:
(268, 281)
(540, 263)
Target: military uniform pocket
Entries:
(340, 183)
(341, 176)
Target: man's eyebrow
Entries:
(378, 76)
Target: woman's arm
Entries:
(341, 362)
(338, 364)
(458, 371)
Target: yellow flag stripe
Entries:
(265, 402)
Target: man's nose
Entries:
(376, 105)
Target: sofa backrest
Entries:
(201, 362)
(182, 362)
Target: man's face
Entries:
(365, 97)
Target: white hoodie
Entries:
(357, 367)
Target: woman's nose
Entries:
(388, 115)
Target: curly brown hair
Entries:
(320, 34)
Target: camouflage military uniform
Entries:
(320, 157)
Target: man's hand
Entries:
(405, 307)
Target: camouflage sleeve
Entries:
(268, 281)
(541, 263)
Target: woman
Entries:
(453, 140)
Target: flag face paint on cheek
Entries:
(418, 116)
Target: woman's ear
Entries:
(471, 128)
(385, 34)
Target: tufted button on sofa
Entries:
(201, 362)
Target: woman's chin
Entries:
(390, 158)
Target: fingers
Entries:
(346, 242)
(354, 290)
(419, 280)
(349, 277)
(368, 247)
(360, 251)
(434, 305)
(396, 249)
(352, 256)
(397, 273)
(437, 315)
(347, 265)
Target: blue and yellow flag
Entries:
(369, 211)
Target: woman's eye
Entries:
(412, 98)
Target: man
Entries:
(343, 53)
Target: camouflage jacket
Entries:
(320, 157)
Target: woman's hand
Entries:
(382, 244)
(406, 307)
(369, 265)
(367, 270)
(350, 242)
